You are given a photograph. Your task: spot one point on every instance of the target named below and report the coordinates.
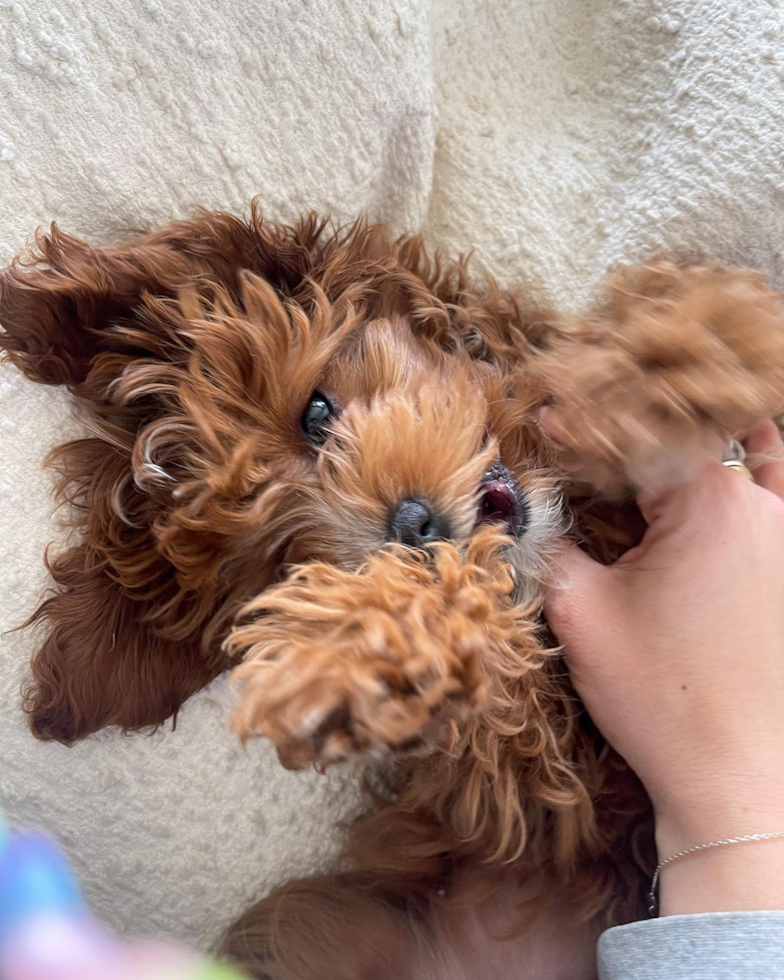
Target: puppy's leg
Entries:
(345, 927)
(337, 926)
(675, 362)
(338, 663)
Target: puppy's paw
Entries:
(340, 663)
(350, 696)
(674, 363)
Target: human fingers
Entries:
(701, 491)
(577, 599)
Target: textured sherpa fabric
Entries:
(553, 137)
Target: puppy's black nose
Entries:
(416, 524)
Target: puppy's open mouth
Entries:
(501, 501)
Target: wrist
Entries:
(743, 876)
(716, 818)
(733, 809)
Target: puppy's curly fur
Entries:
(341, 663)
(215, 528)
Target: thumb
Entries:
(579, 598)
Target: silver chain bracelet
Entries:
(693, 850)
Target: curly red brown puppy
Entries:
(317, 451)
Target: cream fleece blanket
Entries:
(552, 136)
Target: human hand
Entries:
(677, 651)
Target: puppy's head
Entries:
(323, 434)
(257, 396)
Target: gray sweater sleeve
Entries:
(713, 946)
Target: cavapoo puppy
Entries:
(314, 454)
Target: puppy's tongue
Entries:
(497, 502)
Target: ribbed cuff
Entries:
(712, 946)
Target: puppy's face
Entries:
(325, 436)
(256, 395)
(406, 443)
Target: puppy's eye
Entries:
(316, 418)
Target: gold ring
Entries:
(737, 467)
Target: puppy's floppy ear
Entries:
(127, 642)
(104, 661)
(58, 299)
(61, 300)
(101, 663)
